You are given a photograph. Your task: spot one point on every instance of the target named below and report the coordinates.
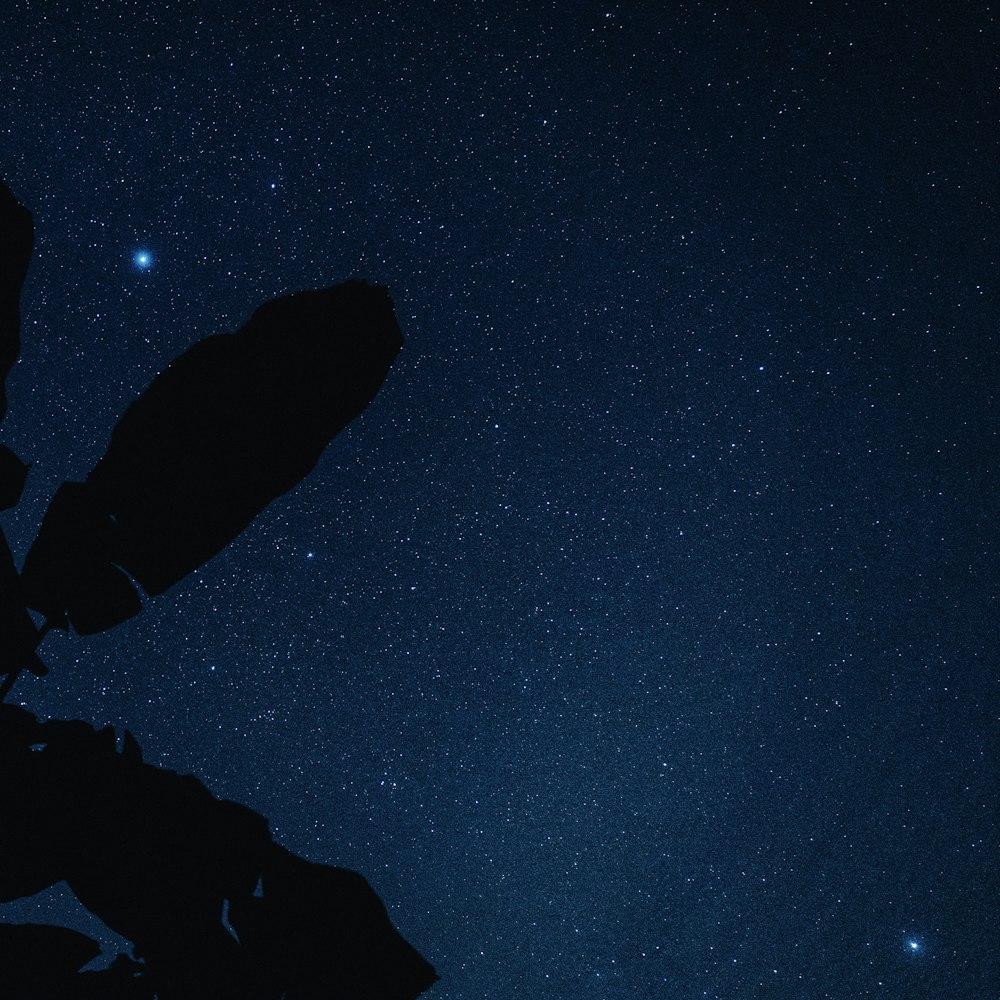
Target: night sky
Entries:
(640, 639)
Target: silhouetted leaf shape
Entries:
(124, 979)
(317, 926)
(71, 569)
(34, 803)
(13, 473)
(17, 632)
(41, 961)
(233, 423)
(160, 860)
(17, 239)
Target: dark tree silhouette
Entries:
(214, 908)
(18, 232)
(233, 423)
(18, 637)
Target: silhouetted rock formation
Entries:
(17, 239)
(227, 427)
(214, 908)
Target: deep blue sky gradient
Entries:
(640, 639)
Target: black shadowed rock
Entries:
(229, 426)
(17, 239)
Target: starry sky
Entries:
(640, 639)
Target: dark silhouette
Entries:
(18, 636)
(13, 473)
(230, 425)
(213, 907)
(30, 950)
(17, 240)
(40, 962)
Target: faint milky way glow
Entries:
(666, 671)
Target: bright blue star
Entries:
(913, 945)
(143, 259)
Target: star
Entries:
(143, 259)
(913, 945)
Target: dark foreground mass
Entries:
(213, 907)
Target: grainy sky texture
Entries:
(640, 640)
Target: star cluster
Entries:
(639, 640)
